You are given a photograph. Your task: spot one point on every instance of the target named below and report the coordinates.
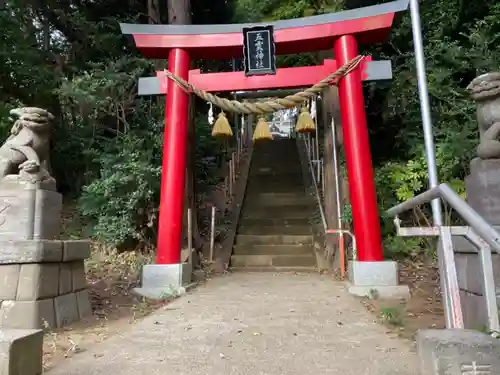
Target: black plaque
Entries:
(259, 51)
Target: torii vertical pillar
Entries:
(173, 174)
(358, 157)
(169, 275)
(369, 271)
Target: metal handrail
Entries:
(315, 184)
(471, 217)
(482, 235)
(340, 232)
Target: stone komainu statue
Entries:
(25, 153)
(485, 90)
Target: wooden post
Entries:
(323, 179)
(231, 178)
(190, 235)
(233, 160)
(238, 153)
(318, 165)
(212, 235)
(331, 122)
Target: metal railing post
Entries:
(482, 235)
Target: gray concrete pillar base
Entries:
(376, 280)
(457, 351)
(164, 281)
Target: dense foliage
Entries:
(69, 56)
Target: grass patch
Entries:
(392, 316)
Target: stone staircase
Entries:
(274, 233)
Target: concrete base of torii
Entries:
(376, 280)
(164, 281)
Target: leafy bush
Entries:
(123, 201)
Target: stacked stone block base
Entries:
(483, 195)
(470, 283)
(42, 283)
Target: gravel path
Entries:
(253, 323)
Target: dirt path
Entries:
(253, 324)
(424, 308)
(110, 277)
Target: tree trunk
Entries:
(190, 185)
(331, 109)
(179, 12)
(153, 12)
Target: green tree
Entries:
(70, 57)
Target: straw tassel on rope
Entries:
(262, 131)
(221, 128)
(305, 123)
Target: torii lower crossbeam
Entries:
(285, 78)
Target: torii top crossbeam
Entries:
(369, 25)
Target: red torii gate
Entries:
(344, 31)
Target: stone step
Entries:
(274, 159)
(275, 269)
(270, 183)
(276, 172)
(275, 182)
(251, 205)
(277, 185)
(245, 221)
(277, 169)
(277, 177)
(254, 189)
(281, 199)
(274, 239)
(269, 159)
(273, 260)
(268, 164)
(277, 150)
(272, 249)
(286, 212)
(290, 196)
(258, 230)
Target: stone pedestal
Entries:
(483, 195)
(29, 211)
(43, 283)
(457, 351)
(42, 278)
(21, 352)
(483, 189)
